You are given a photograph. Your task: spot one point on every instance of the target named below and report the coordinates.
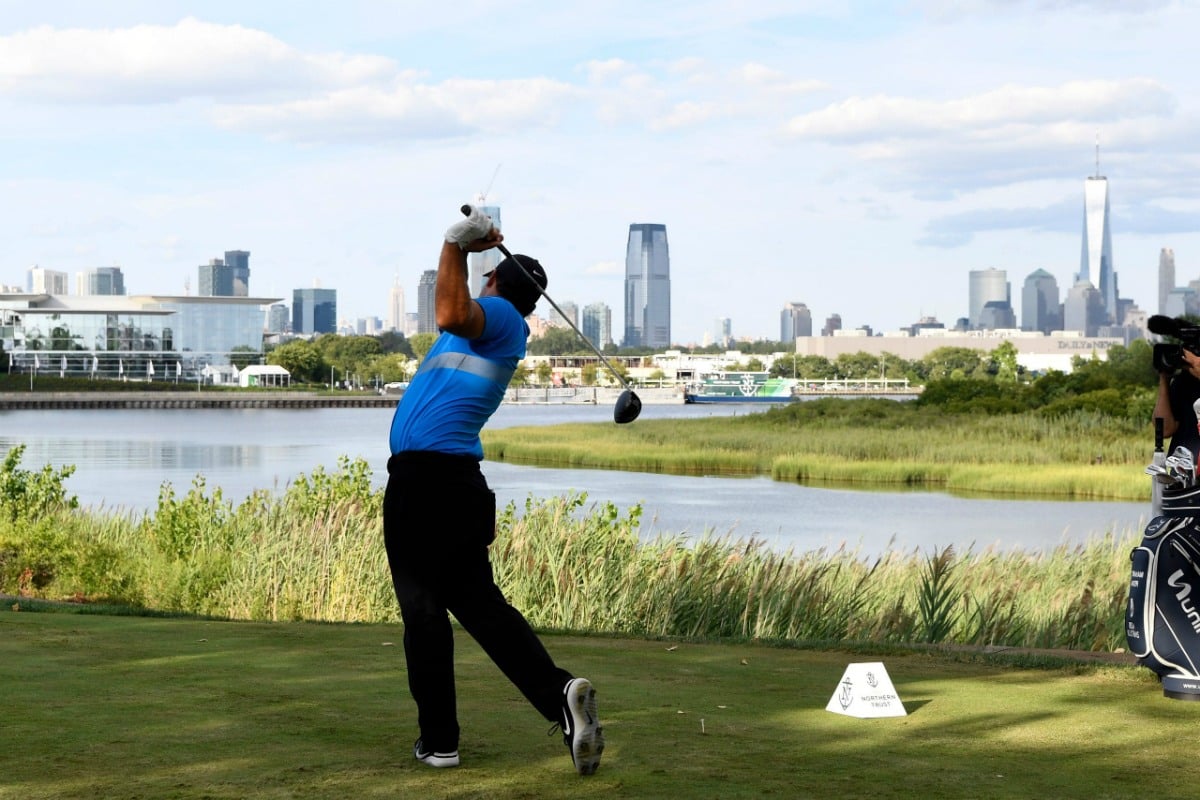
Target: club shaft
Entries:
(567, 319)
(466, 210)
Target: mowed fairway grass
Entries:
(96, 706)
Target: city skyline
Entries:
(806, 151)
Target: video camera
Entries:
(1169, 357)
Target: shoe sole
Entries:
(587, 744)
(436, 759)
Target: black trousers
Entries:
(439, 516)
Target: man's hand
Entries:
(475, 233)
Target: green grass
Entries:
(137, 707)
(314, 554)
(871, 443)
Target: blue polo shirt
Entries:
(460, 385)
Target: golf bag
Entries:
(1162, 618)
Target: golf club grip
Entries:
(466, 212)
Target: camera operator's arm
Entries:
(1162, 406)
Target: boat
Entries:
(741, 387)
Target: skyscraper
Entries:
(102, 280)
(647, 287)
(597, 324)
(238, 262)
(46, 281)
(1083, 311)
(277, 318)
(722, 331)
(228, 277)
(997, 315)
(832, 323)
(986, 286)
(570, 315)
(314, 310)
(395, 318)
(486, 261)
(794, 321)
(1166, 277)
(1039, 303)
(214, 279)
(1095, 262)
(426, 316)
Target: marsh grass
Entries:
(315, 553)
(1076, 455)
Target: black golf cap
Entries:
(517, 284)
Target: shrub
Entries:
(29, 495)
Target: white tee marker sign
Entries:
(865, 691)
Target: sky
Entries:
(859, 157)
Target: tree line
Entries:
(956, 378)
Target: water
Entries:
(122, 457)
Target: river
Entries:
(122, 458)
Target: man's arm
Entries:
(454, 308)
(1162, 405)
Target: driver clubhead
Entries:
(628, 406)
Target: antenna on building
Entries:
(1097, 154)
(187, 287)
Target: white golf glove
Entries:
(475, 226)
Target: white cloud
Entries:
(607, 70)
(405, 110)
(759, 76)
(861, 129)
(686, 114)
(888, 117)
(163, 64)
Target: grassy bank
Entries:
(1079, 455)
(315, 553)
(125, 707)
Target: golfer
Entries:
(439, 516)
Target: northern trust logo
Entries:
(846, 694)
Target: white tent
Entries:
(219, 375)
(264, 375)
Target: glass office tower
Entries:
(985, 286)
(104, 281)
(426, 299)
(794, 321)
(1040, 310)
(1095, 263)
(238, 262)
(647, 287)
(597, 324)
(314, 310)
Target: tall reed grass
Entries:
(1076, 455)
(315, 552)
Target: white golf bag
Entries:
(1162, 618)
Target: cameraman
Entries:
(1177, 391)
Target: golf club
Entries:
(1183, 460)
(629, 405)
(1158, 460)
